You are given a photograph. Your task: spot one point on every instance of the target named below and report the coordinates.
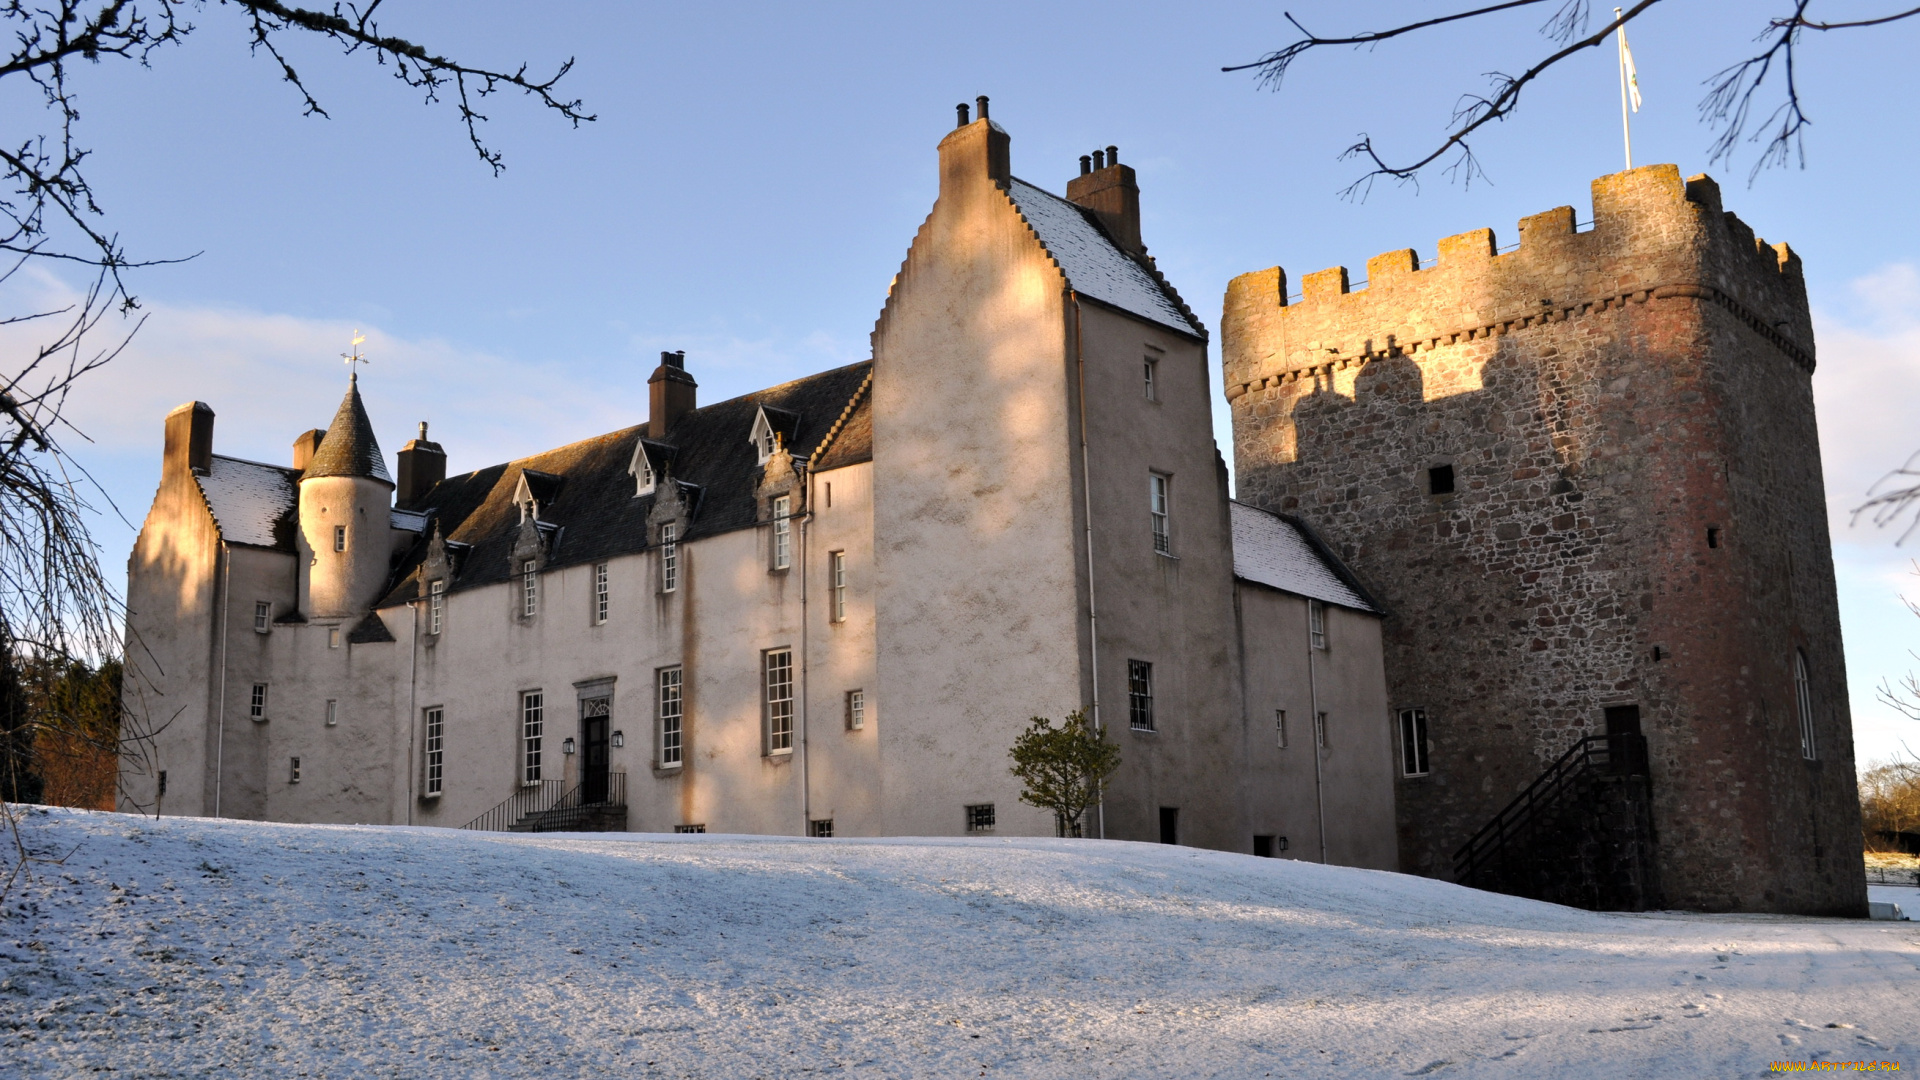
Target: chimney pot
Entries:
(1099, 159)
(1086, 164)
(423, 431)
(1113, 155)
(960, 112)
(981, 101)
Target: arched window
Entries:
(1803, 697)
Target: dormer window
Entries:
(763, 438)
(523, 498)
(641, 469)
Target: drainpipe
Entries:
(1086, 490)
(220, 739)
(806, 763)
(1319, 733)
(413, 707)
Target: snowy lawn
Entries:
(194, 947)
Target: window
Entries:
(829, 486)
(856, 709)
(1317, 623)
(293, 771)
(333, 712)
(529, 589)
(669, 557)
(822, 827)
(1140, 695)
(1280, 728)
(262, 616)
(1264, 847)
(1803, 697)
(533, 724)
(671, 702)
(980, 817)
(436, 606)
(782, 532)
(1153, 390)
(600, 599)
(779, 681)
(1320, 730)
(339, 538)
(436, 750)
(689, 828)
(1440, 480)
(333, 637)
(1713, 536)
(764, 440)
(1157, 503)
(837, 566)
(257, 705)
(1413, 742)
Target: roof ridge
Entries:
(1092, 289)
(257, 464)
(826, 441)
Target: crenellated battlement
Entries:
(1653, 238)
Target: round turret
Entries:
(345, 540)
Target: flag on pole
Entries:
(1633, 75)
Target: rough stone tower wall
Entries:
(1638, 517)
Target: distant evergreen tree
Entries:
(1065, 768)
(19, 781)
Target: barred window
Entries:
(533, 724)
(820, 827)
(601, 600)
(436, 606)
(689, 828)
(669, 557)
(436, 749)
(779, 682)
(837, 564)
(529, 589)
(672, 708)
(782, 532)
(980, 817)
(262, 616)
(1413, 742)
(257, 707)
(1158, 505)
(1803, 697)
(1140, 695)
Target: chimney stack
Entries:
(1110, 192)
(670, 394)
(422, 465)
(304, 447)
(189, 440)
(975, 151)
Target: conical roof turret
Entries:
(349, 448)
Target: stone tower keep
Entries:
(345, 539)
(1581, 475)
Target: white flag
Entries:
(1632, 75)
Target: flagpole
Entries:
(1626, 128)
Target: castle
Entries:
(1528, 583)
(825, 608)
(1583, 478)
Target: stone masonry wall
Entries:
(1605, 398)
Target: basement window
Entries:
(821, 828)
(980, 818)
(689, 828)
(1440, 480)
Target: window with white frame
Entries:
(1139, 695)
(436, 725)
(1803, 698)
(779, 683)
(1280, 728)
(333, 712)
(671, 703)
(1152, 367)
(669, 557)
(1158, 503)
(333, 637)
(980, 817)
(436, 606)
(339, 538)
(1413, 742)
(533, 728)
(837, 575)
(601, 600)
(293, 771)
(1317, 623)
(782, 532)
(257, 703)
(763, 438)
(529, 589)
(262, 616)
(856, 709)
(641, 469)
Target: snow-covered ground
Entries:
(196, 947)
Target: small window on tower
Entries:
(339, 538)
(257, 706)
(1440, 480)
(262, 616)
(1152, 368)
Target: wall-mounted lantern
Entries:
(566, 745)
(619, 739)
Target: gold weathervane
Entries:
(354, 357)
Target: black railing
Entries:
(550, 806)
(1581, 833)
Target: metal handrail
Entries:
(530, 799)
(573, 808)
(1613, 755)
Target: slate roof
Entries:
(349, 448)
(252, 503)
(1282, 553)
(592, 511)
(1094, 265)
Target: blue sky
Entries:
(757, 172)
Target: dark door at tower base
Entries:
(594, 721)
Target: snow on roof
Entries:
(408, 520)
(1270, 550)
(1092, 264)
(250, 500)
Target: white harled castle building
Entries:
(825, 608)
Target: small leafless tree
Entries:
(1732, 97)
(56, 606)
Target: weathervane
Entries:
(354, 357)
